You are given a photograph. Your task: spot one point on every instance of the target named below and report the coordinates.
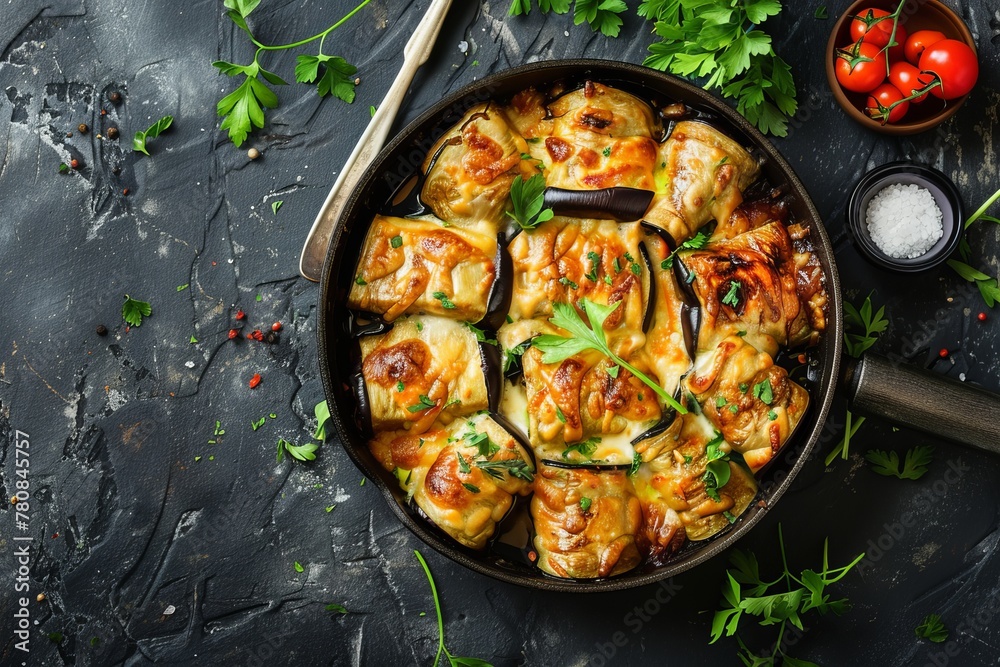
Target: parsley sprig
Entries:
(874, 324)
(559, 348)
(720, 40)
(717, 470)
(601, 15)
(134, 310)
(528, 197)
(452, 660)
(151, 132)
(243, 109)
(914, 464)
(989, 287)
(696, 242)
(746, 594)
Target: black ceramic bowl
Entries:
(948, 199)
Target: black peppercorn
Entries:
(102, 330)
(115, 97)
(116, 170)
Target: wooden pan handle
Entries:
(923, 400)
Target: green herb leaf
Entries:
(932, 629)
(914, 465)
(396, 241)
(298, 567)
(585, 503)
(243, 109)
(306, 452)
(153, 131)
(696, 242)
(602, 15)
(337, 76)
(425, 404)
(446, 303)
(821, 13)
(518, 468)
(585, 449)
(528, 198)
(322, 412)
(764, 391)
(874, 324)
(472, 488)
(275, 205)
(732, 296)
(338, 608)
(134, 310)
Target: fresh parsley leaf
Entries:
(583, 337)
(396, 241)
(585, 449)
(568, 283)
(914, 465)
(337, 77)
(134, 310)
(425, 404)
(932, 629)
(513, 355)
(873, 323)
(480, 334)
(360, 280)
(696, 242)
(636, 463)
(306, 452)
(339, 608)
(821, 13)
(585, 503)
(153, 131)
(322, 412)
(298, 567)
(595, 264)
(764, 391)
(275, 205)
(602, 15)
(528, 198)
(613, 371)
(243, 109)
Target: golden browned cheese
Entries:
(470, 169)
(737, 374)
(750, 283)
(566, 260)
(597, 137)
(578, 398)
(430, 364)
(463, 482)
(701, 175)
(598, 541)
(419, 266)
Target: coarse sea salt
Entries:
(904, 221)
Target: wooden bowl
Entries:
(924, 15)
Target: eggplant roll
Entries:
(598, 137)
(426, 368)
(565, 260)
(419, 266)
(469, 170)
(751, 401)
(750, 283)
(585, 522)
(464, 477)
(701, 175)
(584, 399)
(677, 503)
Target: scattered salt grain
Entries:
(904, 220)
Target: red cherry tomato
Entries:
(864, 26)
(956, 65)
(881, 99)
(869, 68)
(918, 41)
(908, 80)
(898, 52)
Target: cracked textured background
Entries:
(128, 526)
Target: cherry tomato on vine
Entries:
(868, 68)
(918, 41)
(956, 65)
(908, 80)
(881, 99)
(864, 25)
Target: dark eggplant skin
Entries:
(498, 302)
(491, 364)
(599, 467)
(691, 308)
(618, 203)
(516, 369)
(362, 406)
(372, 324)
(647, 318)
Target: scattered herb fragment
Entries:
(764, 391)
(322, 413)
(732, 296)
(134, 310)
(276, 204)
(696, 242)
(568, 283)
(446, 303)
(338, 608)
(585, 503)
(821, 13)
(425, 404)
(914, 464)
(153, 131)
(298, 567)
(181, 288)
(306, 452)
(396, 241)
(452, 660)
(932, 629)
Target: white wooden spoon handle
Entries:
(415, 54)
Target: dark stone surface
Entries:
(126, 523)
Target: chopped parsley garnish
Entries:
(734, 408)
(400, 386)
(513, 354)
(744, 387)
(517, 468)
(480, 334)
(446, 303)
(717, 471)
(729, 516)
(396, 241)
(569, 283)
(306, 452)
(360, 280)
(134, 310)
(584, 449)
(696, 242)
(764, 391)
(585, 503)
(732, 296)
(595, 264)
(607, 151)
(720, 402)
(618, 265)
(636, 462)
(559, 415)
(772, 415)
(425, 404)
(613, 371)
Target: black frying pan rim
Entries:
(821, 398)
